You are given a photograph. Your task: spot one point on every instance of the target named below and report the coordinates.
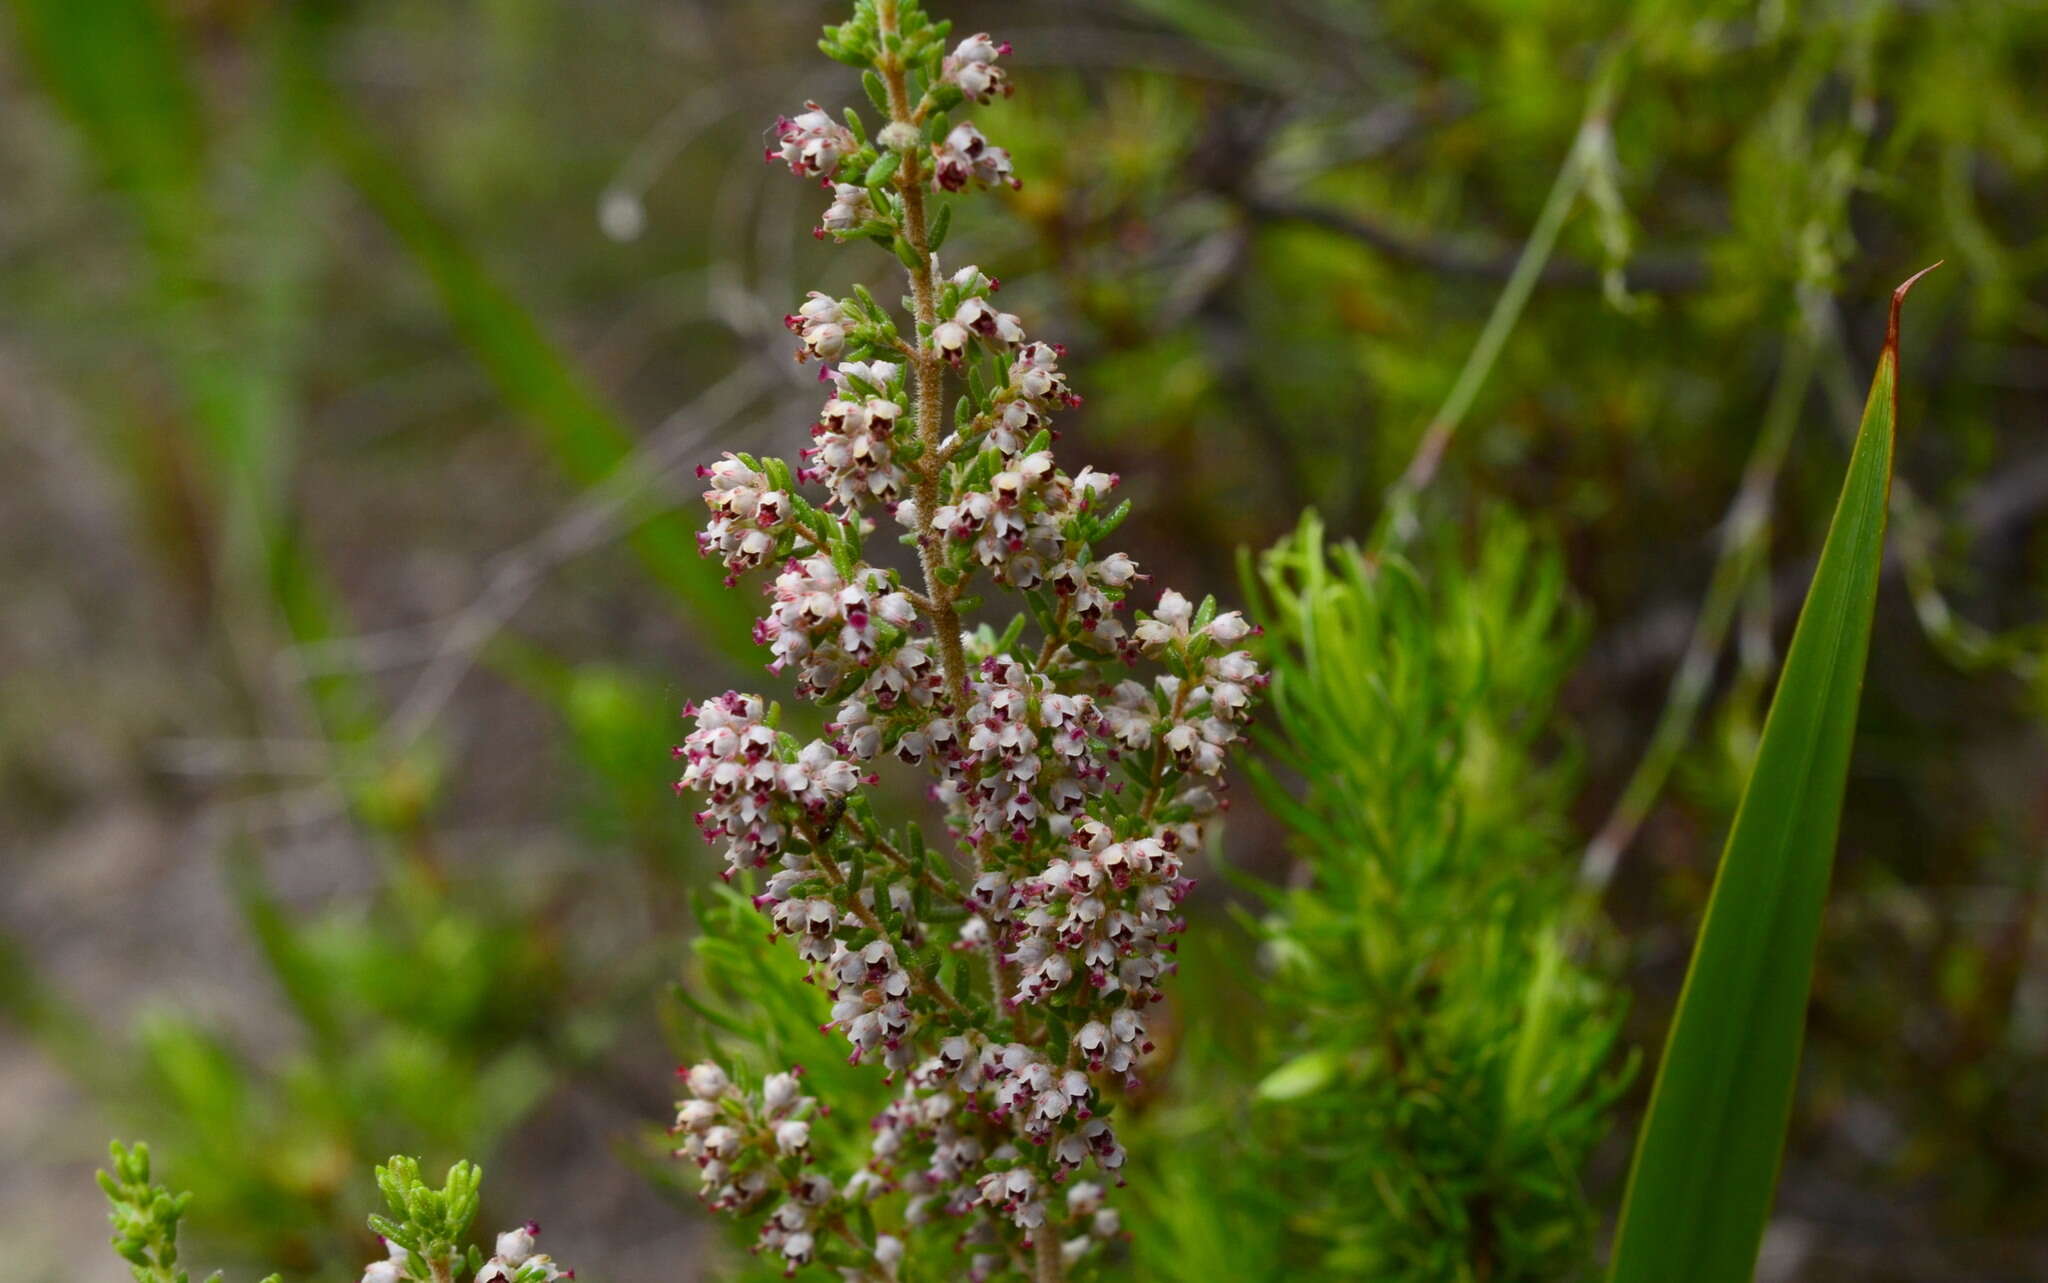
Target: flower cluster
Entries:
(516, 1258)
(745, 512)
(821, 323)
(755, 788)
(1001, 976)
(972, 67)
(855, 458)
(812, 144)
(751, 1147)
(833, 627)
(966, 156)
(861, 172)
(1036, 388)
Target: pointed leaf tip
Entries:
(1712, 1142)
(1891, 327)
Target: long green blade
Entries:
(1706, 1160)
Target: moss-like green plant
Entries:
(1442, 1056)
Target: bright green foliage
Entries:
(145, 1218)
(430, 1224)
(1707, 1157)
(1444, 1051)
(423, 1240)
(421, 1027)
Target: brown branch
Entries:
(929, 371)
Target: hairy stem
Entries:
(1046, 1246)
(928, 372)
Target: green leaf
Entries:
(1303, 1076)
(1706, 1161)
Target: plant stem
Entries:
(1156, 776)
(830, 870)
(928, 372)
(1046, 1247)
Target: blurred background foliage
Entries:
(353, 359)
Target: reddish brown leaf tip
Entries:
(1891, 327)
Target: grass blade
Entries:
(1707, 1157)
(230, 335)
(586, 436)
(116, 69)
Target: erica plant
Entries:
(998, 975)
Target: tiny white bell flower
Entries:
(792, 1136)
(707, 1081)
(515, 1245)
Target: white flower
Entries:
(792, 1136)
(780, 1091)
(888, 1253)
(1228, 628)
(1115, 570)
(707, 1081)
(848, 210)
(695, 1115)
(879, 375)
(796, 1249)
(966, 156)
(812, 144)
(949, 339)
(515, 1245)
(723, 1143)
(1168, 624)
(972, 67)
(973, 280)
(898, 135)
(389, 1270)
(531, 1269)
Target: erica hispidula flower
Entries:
(516, 1258)
(1000, 978)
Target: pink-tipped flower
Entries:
(812, 144)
